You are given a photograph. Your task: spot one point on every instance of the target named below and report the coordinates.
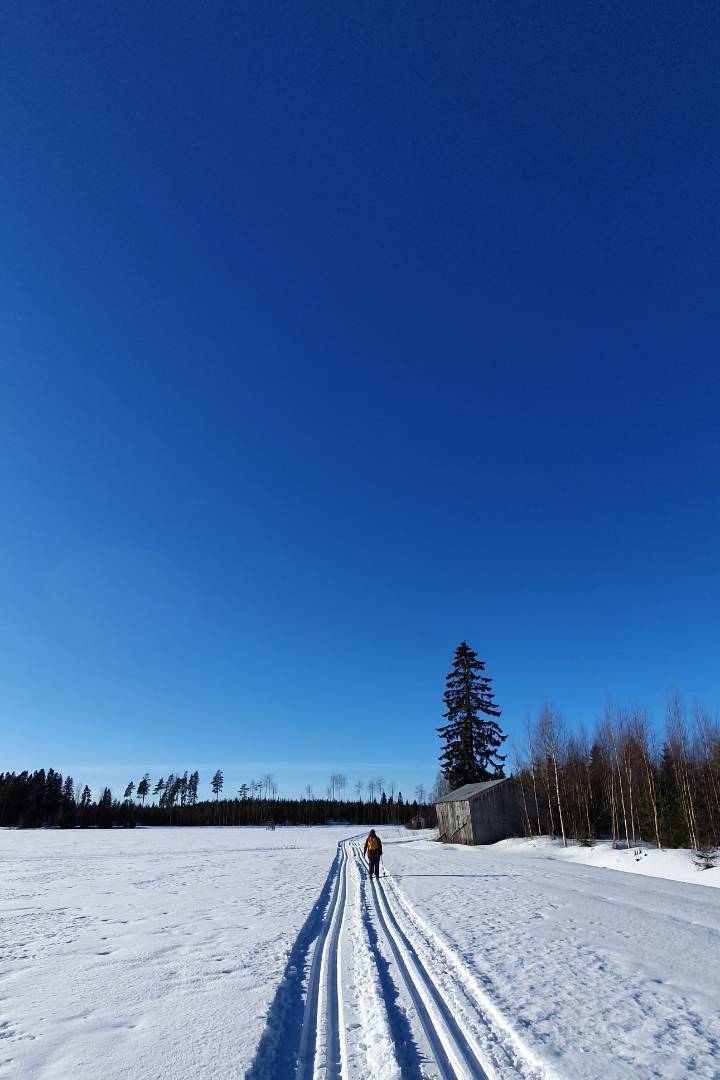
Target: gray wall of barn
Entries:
(491, 816)
(454, 826)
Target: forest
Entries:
(628, 784)
(46, 799)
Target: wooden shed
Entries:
(480, 813)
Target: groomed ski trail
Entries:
(468, 1036)
(387, 998)
(449, 1050)
(322, 1043)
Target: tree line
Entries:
(626, 783)
(47, 799)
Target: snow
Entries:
(673, 864)
(220, 952)
(148, 952)
(602, 973)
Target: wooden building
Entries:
(481, 813)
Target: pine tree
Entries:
(143, 788)
(217, 784)
(168, 793)
(472, 736)
(193, 787)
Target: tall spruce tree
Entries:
(472, 736)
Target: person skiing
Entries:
(373, 850)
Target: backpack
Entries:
(373, 843)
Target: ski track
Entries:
(453, 1056)
(487, 1034)
(319, 1055)
(418, 1010)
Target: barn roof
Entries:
(469, 791)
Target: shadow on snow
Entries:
(405, 1047)
(276, 1057)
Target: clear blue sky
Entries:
(331, 335)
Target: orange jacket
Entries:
(373, 844)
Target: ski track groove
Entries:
(396, 1032)
(495, 1038)
(315, 1058)
(435, 1041)
(327, 1053)
(467, 1036)
(454, 1055)
(372, 998)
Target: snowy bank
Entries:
(672, 864)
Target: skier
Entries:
(373, 850)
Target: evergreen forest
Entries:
(45, 798)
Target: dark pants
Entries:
(374, 860)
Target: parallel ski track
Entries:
(496, 1040)
(322, 1044)
(458, 1055)
(455, 1057)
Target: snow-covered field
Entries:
(604, 974)
(219, 952)
(147, 953)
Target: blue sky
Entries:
(331, 336)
